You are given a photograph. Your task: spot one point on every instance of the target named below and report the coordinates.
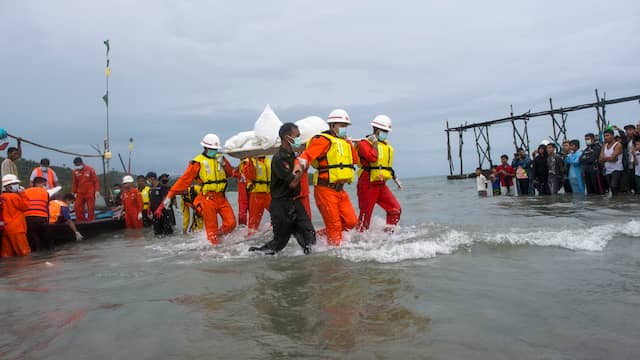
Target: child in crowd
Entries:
(481, 183)
(495, 181)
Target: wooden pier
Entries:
(520, 131)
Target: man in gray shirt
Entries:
(8, 165)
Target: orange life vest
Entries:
(50, 176)
(55, 208)
(38, 202)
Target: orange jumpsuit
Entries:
(14, 237)
(132, 205)
(304, 193)
(211, 204)
(85, 185)
(259, 201)
(243, 198)
(334, 206)
(371, 193)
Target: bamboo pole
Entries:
(449, 149)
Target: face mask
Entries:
(15, 187)
(116, 192)
(295, 142)
(342, 132)
(44, 168)
(589, 142)
(382, 135)
(77, 167)
(212, 152)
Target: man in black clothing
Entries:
(288, 215)
(161, 225)
(590, 166)
(541, 171)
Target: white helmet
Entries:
(382, 122)
(128, 179)
(9, 179)
(545, 142)
(211, 141)
(338, 116)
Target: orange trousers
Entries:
(15, 245)
(211, 205)
(258, 203)
(337, 212)
(90, 201)
(243, 203)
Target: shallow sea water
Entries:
(463, 277)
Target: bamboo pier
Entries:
(520, 130)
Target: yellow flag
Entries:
(108, 71)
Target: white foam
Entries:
(406, 243)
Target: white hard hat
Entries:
(339, 116)
(211, 141)
(382, 122)
(9, 179)
(127, 179)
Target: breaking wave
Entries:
(414, 242)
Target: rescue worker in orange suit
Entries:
(37, 216)
(376, 161)
(132, 204)
(258, 174)
(243, 197)
(14, 204)
(44, 171)
(85, 188)
(59, 213)
(211, 170)
(334, 158)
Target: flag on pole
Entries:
(106, 43)
(105, 98)
(108, 71)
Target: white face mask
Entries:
(78, 167)
(589, 142)
(15, 187)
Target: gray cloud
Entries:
(182, 69)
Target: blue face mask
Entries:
(212, 152)
(342, 132)
(382, 135)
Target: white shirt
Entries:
(481, 182)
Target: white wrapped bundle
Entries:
(311, 126)
(266, 128)
(239, 140)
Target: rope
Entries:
(54, 149)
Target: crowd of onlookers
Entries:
(609, 163)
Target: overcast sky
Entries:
(181, 69)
